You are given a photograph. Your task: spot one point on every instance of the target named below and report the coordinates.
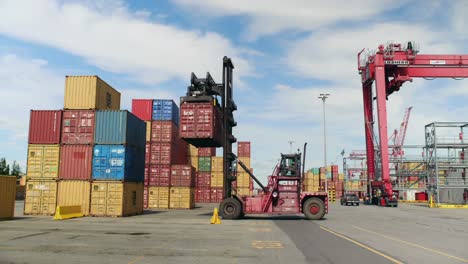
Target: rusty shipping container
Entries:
(78, 127)
(7, 196)
(181, 198)
(143, 108)
(72, 192)
(43, 161)
(200, 124)
(159, 175)
(164, 131)
(243, 149)
(158, 197)
(203, 195)
(90, 92)
(76, 162)
(114, 198)
(119, 128)
(206, 152)
(166, 153)
(217, 195)
(45, 126)
(182, 176)
(203, 179)
(41, 197)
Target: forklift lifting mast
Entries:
(283, 193)
(390, 67)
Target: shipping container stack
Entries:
(244, 183)
(205, 160)
(314, 180)
(169, 179)
(95, 159)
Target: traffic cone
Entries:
(215, 218)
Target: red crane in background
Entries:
(398, 136)
(390, 67)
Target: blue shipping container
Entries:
(165, 110)
(119, 128)
(118, 162)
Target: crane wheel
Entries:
(314, 208)
(231, 208)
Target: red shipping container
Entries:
(200, 124)
(216, 195)
(159, 175)
(164, 131)
(181, 155)
(334, 169)
(76, 162)
(78, 127)
(243, 149)
(45, 126)
(143, 109)
(146, 181)
(203, 195)
(163, 153)
(206, 152)
(203, 179)
(182, 176)
(147, 153)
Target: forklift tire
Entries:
(314, 209)
(231, 208)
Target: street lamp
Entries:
(324, 97)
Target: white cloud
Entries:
(119, 41)
(273, 16)
(459, 19)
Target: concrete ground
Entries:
(364, 234)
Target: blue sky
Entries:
(286, 53)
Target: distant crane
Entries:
(399, 136)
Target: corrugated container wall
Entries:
(200, 124)
(90, 92)
(45, 126)
(117, 162)
(182, 198)
(207, 152)
(43, 161)
(120, 127)
(158, 197)
(7, 196)
(164, 131)
(165, 110)
(204, 164)
(78, 127)
(143, 108)
(182, 176)
(74, 193)
(159, 175)
(111, 198)
(41, 197)
(243, 149)
(76, 162)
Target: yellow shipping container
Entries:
(217, 179)
(148, 131)
(217, 164)
(73, 192)
(90, 92)
(182, 198)
(41, 197)
(194, 162)
(7, 196)
(192, 151)
(43, 161)
(111, 198)
(243, 180)
(246, 161)
(311, 188)
(243, 191)
(158, 197)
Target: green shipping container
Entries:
(204, 164)
(315, 171)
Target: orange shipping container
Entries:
(7, 196)
(111, 198)
(90, 92)
(74, 193)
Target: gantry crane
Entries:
(390, 67)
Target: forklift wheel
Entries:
(230, 208)
(314, 209)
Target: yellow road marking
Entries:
(363, 246)
(413, 244)
(135, 260)
(266, 244)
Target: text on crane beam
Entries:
(396, 62)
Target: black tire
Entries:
(231, 208)
(357, 204)
(314, 209)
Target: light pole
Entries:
(324, 97)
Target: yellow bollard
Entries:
(431, 202)
(215, 218)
